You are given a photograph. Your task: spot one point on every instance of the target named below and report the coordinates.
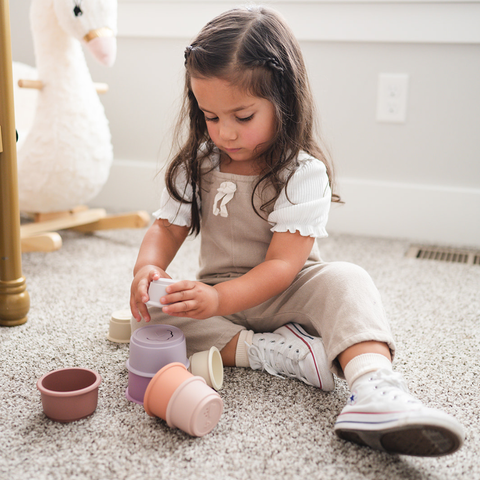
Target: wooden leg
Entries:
(43, 242)
(47, 217)
(62, 222)
(39, 236)
(126, 220)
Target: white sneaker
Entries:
(290, 351)
(381, 414)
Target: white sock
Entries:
(365, 363)
(241, 353)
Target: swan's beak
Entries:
(103, 45)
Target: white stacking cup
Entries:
(156, 291)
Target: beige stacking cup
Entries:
(119, 330)
(209, 366)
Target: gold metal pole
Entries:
(14, 298)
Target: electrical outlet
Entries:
(392, 97)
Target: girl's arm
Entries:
(158, 248)
(285, 257)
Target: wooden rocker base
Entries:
(43, 242)
(40, 235)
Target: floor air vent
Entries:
(451, 255)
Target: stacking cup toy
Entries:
(69, 394)
(183, 400)
(209, 366)
(156, 291)
(151, 348)
(119, 330)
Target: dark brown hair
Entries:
(253, 49)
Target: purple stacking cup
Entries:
(151, 348)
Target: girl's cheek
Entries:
(211, 133)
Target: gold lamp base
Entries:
(14, 302)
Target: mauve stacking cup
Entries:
(151, 348)
(69, 394)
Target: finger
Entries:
(182, 285)
(175, 297)
(143, 291)
(180, 308)
(153, 275)
(142, 308)
(137, 312)
(134, 310)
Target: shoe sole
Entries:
(329, 384)
(417, 438)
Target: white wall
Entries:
(418, 180)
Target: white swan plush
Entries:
(25, 100)
(65, 158)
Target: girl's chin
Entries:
(233, 152)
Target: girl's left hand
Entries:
(191, 299)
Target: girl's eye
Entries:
(246, 119)
(214, 119)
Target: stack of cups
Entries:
(151, 348)
(159, 379)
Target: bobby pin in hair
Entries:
(187, 53)
(273, 63)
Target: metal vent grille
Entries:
(450, 255)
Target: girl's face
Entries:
(239, 124)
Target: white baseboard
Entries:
(422, 213)
(439, 215)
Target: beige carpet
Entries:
(271, 428)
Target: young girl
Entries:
(252, 178)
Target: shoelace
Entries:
(277, 360)
(389, 381)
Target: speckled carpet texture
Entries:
(271, 428)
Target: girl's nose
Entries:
(228, 131)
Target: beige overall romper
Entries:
(337, 301)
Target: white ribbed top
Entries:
(307, 211)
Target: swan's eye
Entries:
(77, 11)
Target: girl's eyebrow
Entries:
(233, 110)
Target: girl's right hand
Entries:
(139, 290)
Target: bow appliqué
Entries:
(224, 194)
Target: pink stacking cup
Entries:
(183, 400)
(162, 387)
(194, 407)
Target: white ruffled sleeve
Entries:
(177, 213)
(308, 203)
